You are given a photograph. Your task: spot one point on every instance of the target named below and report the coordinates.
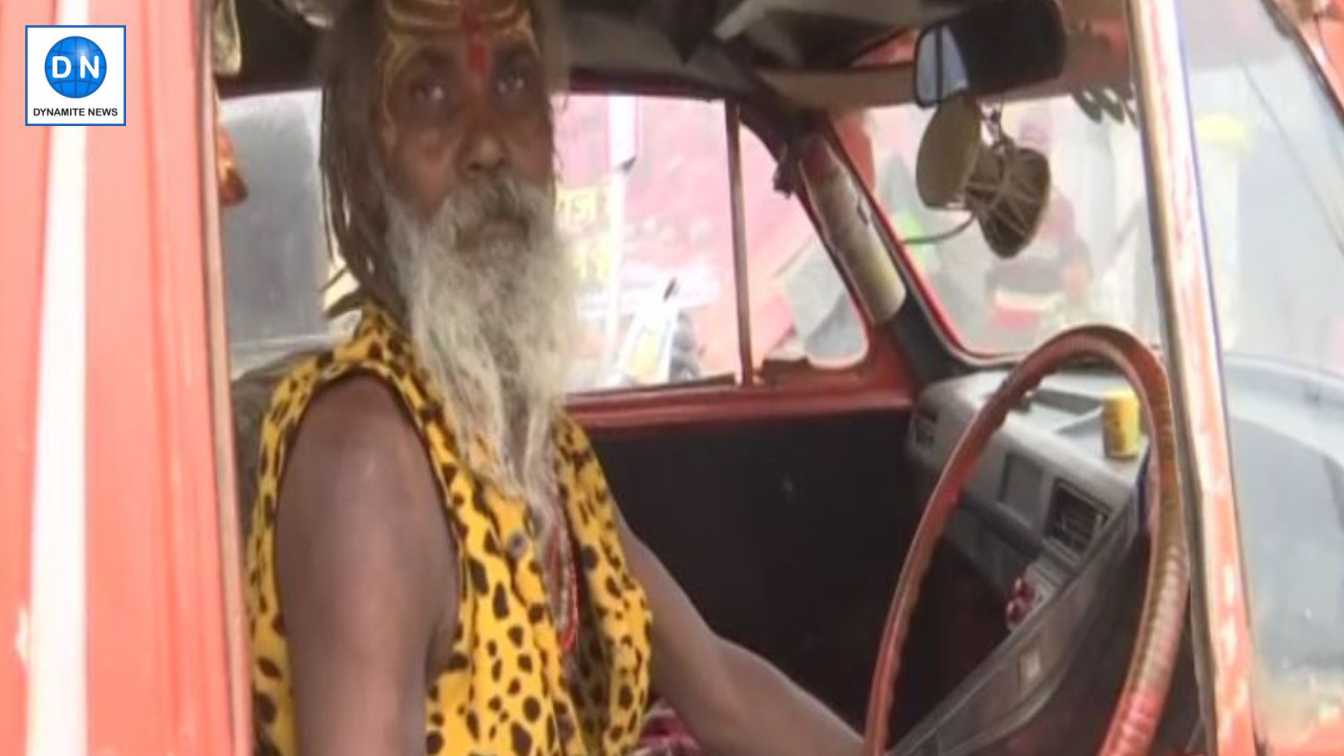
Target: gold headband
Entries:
(410, 24)
(435, 16)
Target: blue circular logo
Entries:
(76, 67)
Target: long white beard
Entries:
(490, 295)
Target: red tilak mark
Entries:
(477, 55)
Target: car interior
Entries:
(812, 450)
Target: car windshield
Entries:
(1270, 146)
(1090, 259)
(1271, 160)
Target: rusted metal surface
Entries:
(1320, 28)
(1223, 640)
(882, 383)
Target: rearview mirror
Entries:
(995, 48)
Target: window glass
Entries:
(1089, 260)
(1271, 163)
(800, 308)
(275, 250)
(643, 199)
(1270, 146)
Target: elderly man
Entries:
(435, 562)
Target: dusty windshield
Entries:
(1271, 159)
(1271, 163)
(1090, 259)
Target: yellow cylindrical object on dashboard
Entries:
(1120, 429)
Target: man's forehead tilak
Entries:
(412, 25)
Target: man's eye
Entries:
(429, 92)
(511, 82)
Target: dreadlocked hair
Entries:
(349, 151)
(352, 170)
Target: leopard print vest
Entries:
(506, 689)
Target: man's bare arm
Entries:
(366, 572)
(734, 701)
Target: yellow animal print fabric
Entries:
(506, 690)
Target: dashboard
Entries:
(1050, 522)
(1043, 489)
(1048, 518)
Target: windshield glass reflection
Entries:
(1271, 162)
(1090, 260)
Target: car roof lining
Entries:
(699, 44)
(784, 59)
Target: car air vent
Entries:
(926, 420)
(1074, 520)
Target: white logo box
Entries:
(44, 106)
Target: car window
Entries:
(646, 201)
(643, 198)
(800, 308)
(275, 250)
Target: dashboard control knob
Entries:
(1021, 601)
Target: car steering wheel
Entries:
(1143, 697)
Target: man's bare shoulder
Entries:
(358, 469)
(364, 559)
(358, 419)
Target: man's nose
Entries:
(483, 154)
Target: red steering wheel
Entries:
(1141, 701)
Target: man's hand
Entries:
(365, 563)
(734, 702)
